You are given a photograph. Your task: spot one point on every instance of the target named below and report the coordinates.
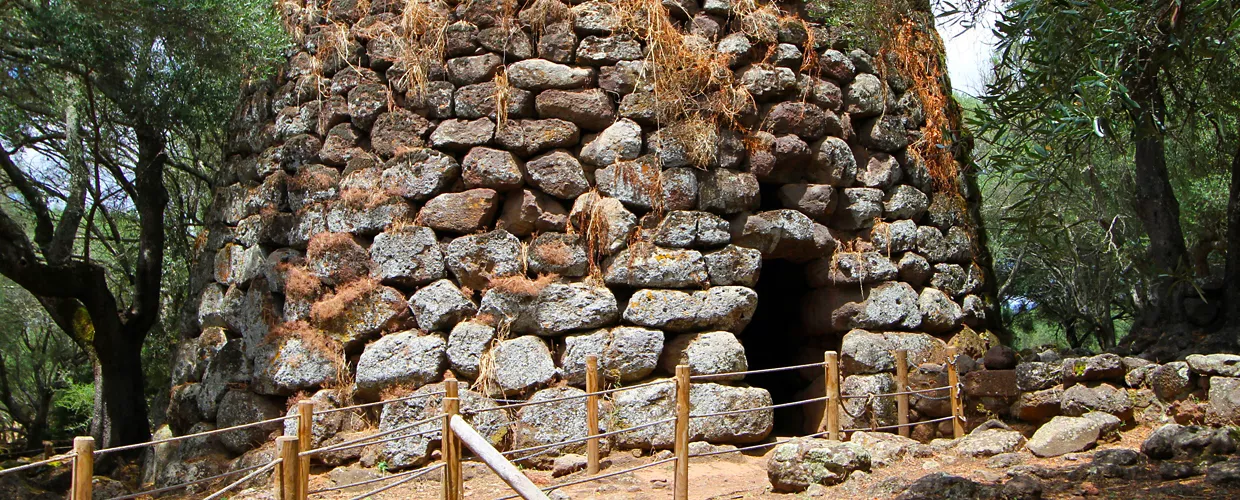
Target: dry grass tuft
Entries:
(312, 180)
(522, 285)
(684, 71)
(554, 253)
(396, 391)
(918, 56)
(503, 94)
(299, 283)
(365, 199)
(542, 13)
(333, 306)
(421, 30)
(758, 20)
(700, 138)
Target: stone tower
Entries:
(493, 191)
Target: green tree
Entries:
(35, 364)
(105, 106)
(1102, 119)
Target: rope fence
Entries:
(419, 472)
(174, 439)
(348, 445)
(377, 403)
(188, 484)
(295, 452)
(59, 458)
(264, 468)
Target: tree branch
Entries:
(34, 199)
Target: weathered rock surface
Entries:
(865, 352)
(794, 466)
(553, 422)
(522, 363)
(415, 450)
(400, 358)
(1064, 434)
(440, 305)
(726, 308)
(710, 353)
(242, 407)
(477, 259)
(466, 344)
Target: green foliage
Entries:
(84, 86)
(1056, 132)
(74, 407)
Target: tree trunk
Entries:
(36, 431)
(1232, 290)
(1156, 204)
(120, 399)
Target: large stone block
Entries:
(625, 354)
(991, 383)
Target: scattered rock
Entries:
(990, 442)
(794, 466)
(1063, 435)
(1221, 365)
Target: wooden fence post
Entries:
(83, 467)
(902, 386)
(305, 436)
(289, 481)
(48, 450)
(451, 447)
(682, 433)
(592, 414)
(833, 396)
(953, 380)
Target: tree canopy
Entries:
(1110, 129)
(109, 111)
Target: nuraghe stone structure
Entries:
(494, 191)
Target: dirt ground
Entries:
(743, 476)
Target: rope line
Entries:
(767, 407)
(376, 403)
(188, 436)
(264, 468)
(587, 438)
(897, 426)
(58, 458)
(387, 440)
(393, 485)
(523, 404)
(186, 485)
(340, 446)
(868, 406)
(377, 480)
(755, 372)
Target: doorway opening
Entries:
(777, 337)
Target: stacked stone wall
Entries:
(388, 217)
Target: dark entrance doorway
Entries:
(776, 337)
